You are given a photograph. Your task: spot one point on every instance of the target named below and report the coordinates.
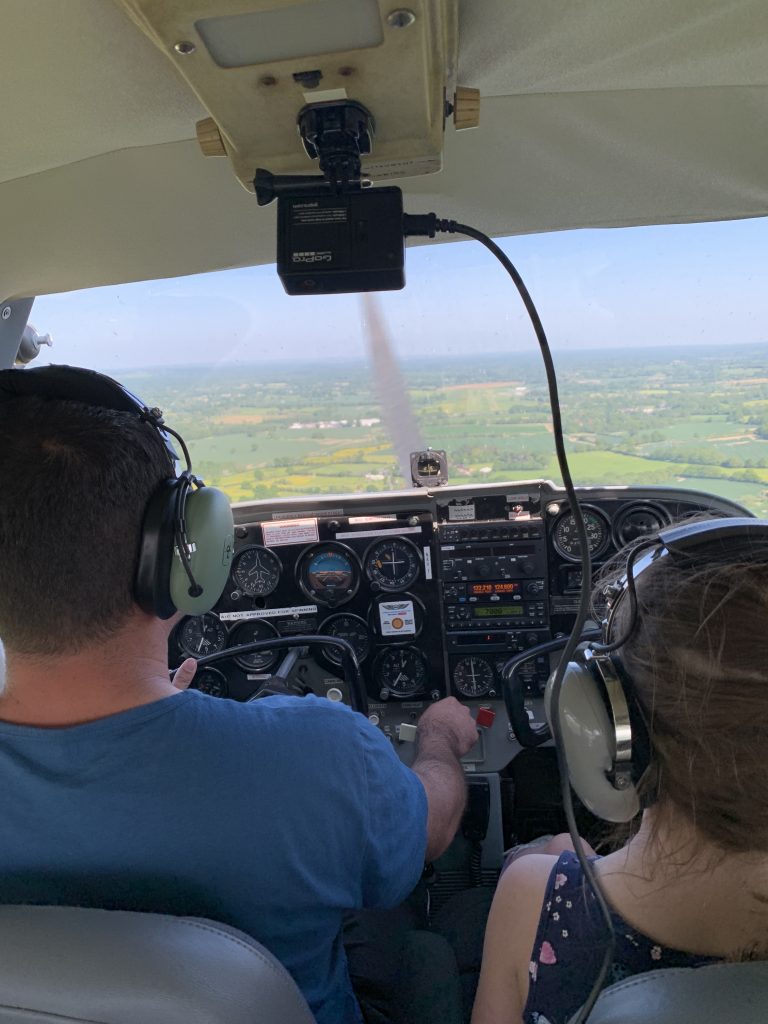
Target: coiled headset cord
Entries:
(428, 225)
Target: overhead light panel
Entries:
(287, 33)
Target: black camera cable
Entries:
(428, 225)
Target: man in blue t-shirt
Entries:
(120, 790)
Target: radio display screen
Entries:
(498, 611)
(486, 589)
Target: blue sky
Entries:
(681, 284)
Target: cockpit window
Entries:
(659, 336)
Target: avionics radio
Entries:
(494, 587)
(495, 605)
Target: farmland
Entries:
(685, 417)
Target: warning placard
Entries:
(289, 531)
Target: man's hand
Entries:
(184, 674)
(450, 721)
(445, 732)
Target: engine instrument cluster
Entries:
(434, 590)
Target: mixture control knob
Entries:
(484, 718)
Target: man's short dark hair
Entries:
(75, 481)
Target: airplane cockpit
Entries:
(242, 209)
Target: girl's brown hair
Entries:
(698, 661)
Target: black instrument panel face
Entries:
(434, 599)
(369, 582)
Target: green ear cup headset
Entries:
(602, 723)
(187, 537)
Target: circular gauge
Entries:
(473, 677)
(351, 628)
(248, 633)
(256, 571)
(396, 619)
(401, 672)
(392, 564)
(211, 681)
(329, 574)
(201, 635)
(637, 521)
(566, 541)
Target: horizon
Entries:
(361, 362)
(688, 285)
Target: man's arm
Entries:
(446, 732)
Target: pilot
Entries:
(122, 791)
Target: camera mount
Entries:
(336, 134)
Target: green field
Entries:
(695, 418)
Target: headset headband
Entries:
(75, 384)
(716, 540)
(187, 532)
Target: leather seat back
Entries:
(717, 994)
(116, 967)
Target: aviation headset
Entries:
(602, 723)
(187, 534)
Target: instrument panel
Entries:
(434, 589)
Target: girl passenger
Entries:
(691, 886)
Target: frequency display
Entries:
(498, 611)
(486, 589)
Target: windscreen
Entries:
(659, 336)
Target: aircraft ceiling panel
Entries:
(609, 45)
(77, 80)
(602, 113)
